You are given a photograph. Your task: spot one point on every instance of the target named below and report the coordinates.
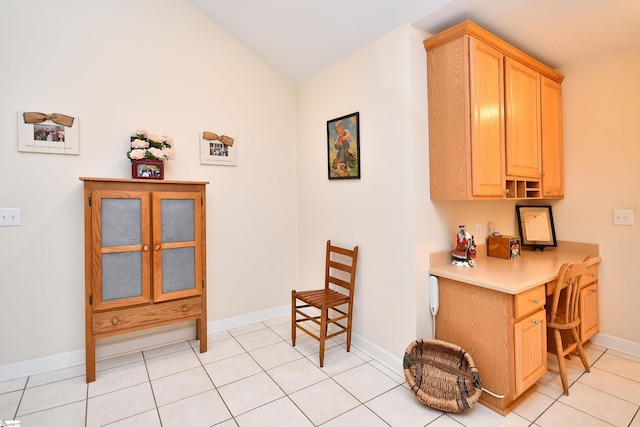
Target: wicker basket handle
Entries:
(410, 360)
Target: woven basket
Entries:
(442, 375)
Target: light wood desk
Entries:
(495, 311)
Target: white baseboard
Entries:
(144, 340)
(136, 341)
(619, 344)
(391, 361)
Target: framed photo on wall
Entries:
(343, 147)
(215, 150)
(47, 133)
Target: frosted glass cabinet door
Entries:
(176, 245)
(122, 266)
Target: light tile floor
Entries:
(251, 376)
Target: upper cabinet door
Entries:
(552, 150)
(523, 152)
(487, 119)
(177, 248)
(120, 248)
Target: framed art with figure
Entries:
(343, 147)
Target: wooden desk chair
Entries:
(562, 315)
(331, 306)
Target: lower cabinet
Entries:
(589, 306)
(505, 335)
(530, 352)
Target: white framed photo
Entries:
(48, 133)
(215, 152)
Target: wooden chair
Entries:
(562, 315)
(330, 308)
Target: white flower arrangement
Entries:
(145, 145)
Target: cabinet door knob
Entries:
(535, 300)
(115, 321)
(145, 248)
(156, 248)
(592, 274)
(185, 308)
(593, 291)
(535, 322)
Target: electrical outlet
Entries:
(622, 217)
(9, 216)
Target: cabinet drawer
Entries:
(590, 276)
(528, 302)
(135, 317)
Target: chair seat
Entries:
(322, 297)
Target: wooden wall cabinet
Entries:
(495, 123)
(552, 142)
(144, 257)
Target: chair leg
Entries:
(323, 333)
(293, 318)
(561, 363)
(583, 355)
(349, 331)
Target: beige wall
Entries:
(117, 65)
(377, 211)
(163, 65)
(602, 148)
(398, 226)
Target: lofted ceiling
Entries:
(301, 37)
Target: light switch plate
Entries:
(10, 216)
(622, 217)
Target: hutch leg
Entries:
(90, 359)
(201, 334)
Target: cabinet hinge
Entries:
(202, 283)
(90, 299)
(89, 200)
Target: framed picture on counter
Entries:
(536, 226)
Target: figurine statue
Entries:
(464, 254)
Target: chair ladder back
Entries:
(569, 280)
(334, 267)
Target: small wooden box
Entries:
(507, 247)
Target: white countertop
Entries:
(515, 275)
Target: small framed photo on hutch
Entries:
(343, 147)
(218, 150)
(147, 169)
(536, 226)
(53, 133)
